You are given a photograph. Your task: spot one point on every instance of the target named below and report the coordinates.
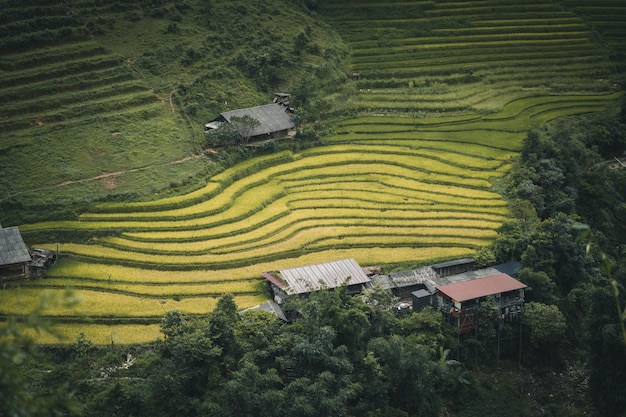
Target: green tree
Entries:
(485, 258)
(21, 364)
(222, 323)
(250, 392)
(546, 327)
(428, 329)
(244, 125)
(607, 351)
(380, 303)
(406, 376)
(223, 137)
(553, 248)
(541, 288)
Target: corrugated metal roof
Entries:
(304, 279)
(13, 250)
(425, 275)
(480, 287)
(272, 118)
(465, 276)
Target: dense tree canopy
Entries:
(573, 252)
(344, 356)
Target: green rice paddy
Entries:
(446, 92)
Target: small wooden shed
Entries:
(14, 254)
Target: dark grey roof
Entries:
(305, 279)
(270, 307)
(509, 268)
(453, 263)
(272, 118)
(13, 250)
(466, 276)
(420, 293)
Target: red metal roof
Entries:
(480, 287)
(274, 280)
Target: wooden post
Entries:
(521, 319)
(476, 332)
(499, 328)
(458, 337)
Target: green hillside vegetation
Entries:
(417, 127)
(107, 100)
(427, 131)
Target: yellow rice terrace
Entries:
(438, 114)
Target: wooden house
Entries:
(274, 121)
(301, 281)
(459, 301)
(14, 254)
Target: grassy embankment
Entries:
(446, 93)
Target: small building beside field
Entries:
(14, 254)
(403, 283)
(274, 121)
(301, 281)
(459, 301)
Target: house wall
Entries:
(463, 315)
(14, 271)
(454, 268)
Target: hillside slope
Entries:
(107, 100)
(444, 95)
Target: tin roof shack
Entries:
(403, 283)
(303, 280)
(269, 121)
(14, 255)
(459, 301)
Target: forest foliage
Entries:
(568, 191)
(344, 356)
(352, 355)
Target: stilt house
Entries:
(459, 301)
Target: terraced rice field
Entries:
(448, 90)
(607, 17)
(63, 89)
(468, 56)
